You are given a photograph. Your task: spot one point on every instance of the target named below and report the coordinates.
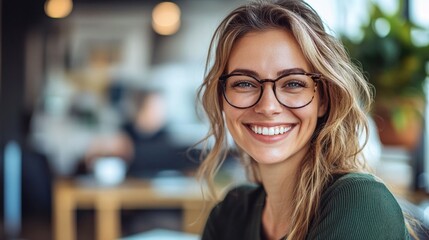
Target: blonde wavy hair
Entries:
(335, 147)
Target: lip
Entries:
(269, 138)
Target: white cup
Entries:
(109, 171)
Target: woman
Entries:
(295, 106)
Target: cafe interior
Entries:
(100, 121)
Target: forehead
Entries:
(267, 52)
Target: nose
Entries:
(268, 104)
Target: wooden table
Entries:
(70, 195)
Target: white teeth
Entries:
(270, 131)
(265, 131)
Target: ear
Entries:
(322, 108)
(323, 101)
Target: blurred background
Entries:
(84, 80)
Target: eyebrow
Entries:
(279, 73)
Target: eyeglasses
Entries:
(292, 90)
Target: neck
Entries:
(278, 184)
(279, 181)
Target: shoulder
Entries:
(363, 193)
(241, 199)
(243, 194)
(361, 187)
(360, 207)
(236, 215)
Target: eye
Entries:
(294, 84)
(243, 84)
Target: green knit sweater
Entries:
(354, 206)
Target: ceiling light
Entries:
(58, 8)
(166, 18)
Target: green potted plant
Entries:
(396, 66)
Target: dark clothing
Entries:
(355, 206)
(156, 152)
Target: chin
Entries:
(268, 158)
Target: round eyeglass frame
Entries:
(316, 77)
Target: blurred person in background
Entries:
(295, 106)
(143, 140)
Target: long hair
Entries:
(335, 147)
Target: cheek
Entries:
(229, 116)
(308, 117)
(232, 119)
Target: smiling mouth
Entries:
(270, 131)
